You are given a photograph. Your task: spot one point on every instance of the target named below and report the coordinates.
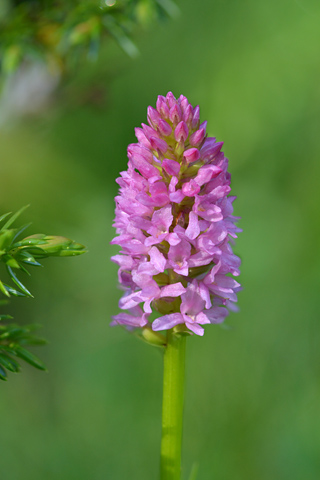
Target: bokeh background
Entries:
(252, 389)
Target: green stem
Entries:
(172, 406)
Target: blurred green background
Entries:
(252, 391)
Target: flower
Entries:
(175, 223)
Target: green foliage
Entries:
(16, 254)
(12, 337)
(60, 31)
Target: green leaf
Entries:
(5, 317)
(20, 335)
(18, 283)
(30, 260)
(12, 291)
(9, 363)
(29, 357)
(6, 237)
(169, 7)
(25, 270)
(29, 241)
(26, 257)
(33, 340)
(14, 217)
(4, 290)
(7, 349)
(4, 216)
(3, 374)
(22, 229)
(10, 261)
(11, 331)
(118, 33)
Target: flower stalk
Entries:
(172, 406)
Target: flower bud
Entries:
(198, 136)
(153, 117)
(181, 132)
(175, 114)
(54, 246)
(164, 128)
(162, 107)
(196, 117)
(191, 155)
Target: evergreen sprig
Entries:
(16, 254)
(13, 339)
(57, 31)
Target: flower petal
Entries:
(217, 314)
(167, 321)
(193, 228)
(195, 328)
(173, 290)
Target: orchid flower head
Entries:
(174, 222)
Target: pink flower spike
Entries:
(175, 224)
